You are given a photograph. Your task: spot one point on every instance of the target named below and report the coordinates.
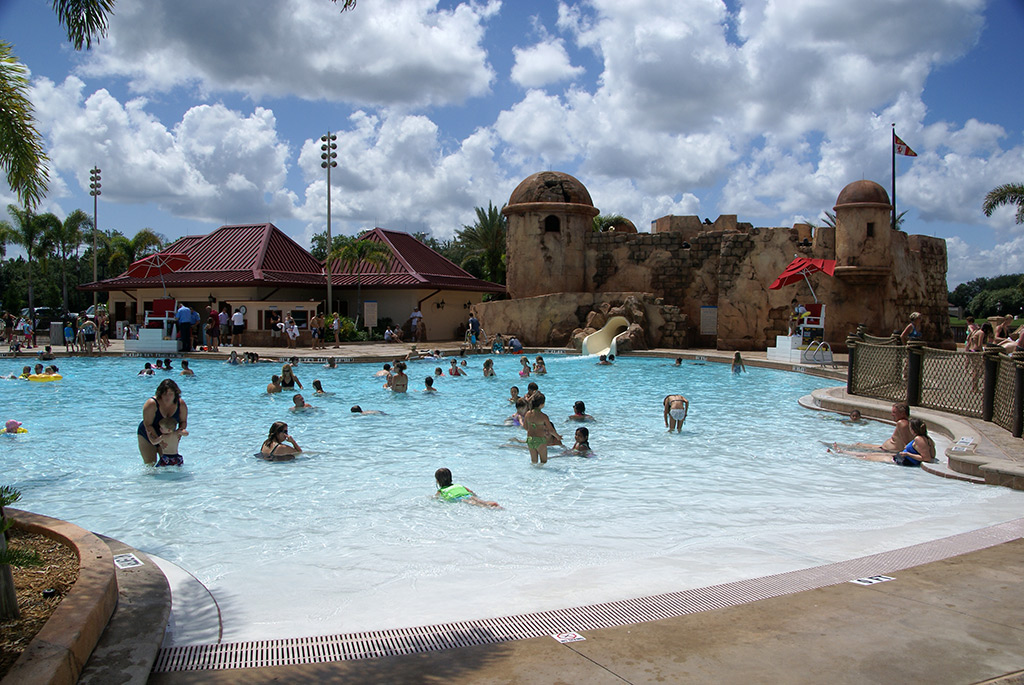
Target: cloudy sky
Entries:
(206, 112)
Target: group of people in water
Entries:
(165, 421)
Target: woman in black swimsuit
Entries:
(165, 403)
(274, 447)
(288, 379)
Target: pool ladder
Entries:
(820, 352)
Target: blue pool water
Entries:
(349, 538)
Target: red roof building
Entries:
(260, 268)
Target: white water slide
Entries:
(603, 341)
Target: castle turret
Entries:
(863, 233)
(549, 215)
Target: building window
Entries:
(552, 225)
(871, 229)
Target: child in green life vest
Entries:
(457, 493)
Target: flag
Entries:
(900, 147)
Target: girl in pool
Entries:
(185, 371)
(582, 444)
(488, 367)
(233, 358)
(538, 366)
(920, 449)
(737, 364)
(517, 419)
(539, 431)
(318, 389)
(274, 447)
(454, 370)
(288, 379)
(428, 384)
(525, 371)
(579, 412)
(513, 394)
(457, 493)
(147, 370)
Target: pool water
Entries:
(348, 537)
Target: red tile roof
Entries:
(412, 265)
(261, 254)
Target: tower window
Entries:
(552, 225)
(871, 229)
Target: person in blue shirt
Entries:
(184, 319)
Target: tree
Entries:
(1007, 194)
(485, 241)
(66, 239)
(319, 248)
(26, 231)
(126, 250)
(355, 255)
(606, 222)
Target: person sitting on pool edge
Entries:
(274, 447)
(457, 493)
(170, 435)
(920, 449)
(676, 409)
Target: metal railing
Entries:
(988, 385)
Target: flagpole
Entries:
(893, 145)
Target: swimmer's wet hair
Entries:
(538, 401)
(443, 477)
(357, 409)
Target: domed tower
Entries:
(549, 215)
(863, 232)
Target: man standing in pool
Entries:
(676, 408)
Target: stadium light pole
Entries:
(94, 190)
(328, 155)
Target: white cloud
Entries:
(393, 171)
(214, 165)
(543, 64)
(404, 52)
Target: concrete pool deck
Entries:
(958, 620)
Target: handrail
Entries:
(816, 352)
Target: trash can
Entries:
(56, 334)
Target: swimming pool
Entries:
(348, 538)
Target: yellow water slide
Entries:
(603, 341)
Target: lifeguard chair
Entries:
(812, 324)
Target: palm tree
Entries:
(355, 255)
(485, 241)
(126, 250)
(606, 222)
(26, 231)
(66, 238)
(830, 220)
(1007, 194)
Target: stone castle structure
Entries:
(700, 284)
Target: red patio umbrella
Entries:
(800, 268)
(157, 265)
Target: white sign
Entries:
(570, 636)
(871, 580)
(124, 561)
(370, 313)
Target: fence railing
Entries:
(987, 385)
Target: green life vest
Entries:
(454, 492)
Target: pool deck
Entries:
(957, 620)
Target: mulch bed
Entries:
(58, 572)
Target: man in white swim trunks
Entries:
(676, 407)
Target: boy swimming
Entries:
(457, 493)
(169, 438)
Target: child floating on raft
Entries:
(457, 493)
(13, 427)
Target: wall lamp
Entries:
(439, 305)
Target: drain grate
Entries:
(382, 643)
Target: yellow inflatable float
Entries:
(45, 377)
